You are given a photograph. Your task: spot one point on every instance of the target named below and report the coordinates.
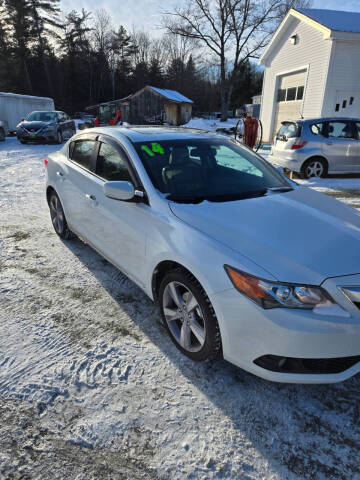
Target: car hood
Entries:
(35, 124)
(300, 236)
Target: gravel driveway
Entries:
(91, 387)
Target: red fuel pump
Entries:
(251, 126)
(251, 132)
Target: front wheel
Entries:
(314, 167)
(59, 137)
(188, 316)
(58, 217)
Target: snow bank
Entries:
(210, 124)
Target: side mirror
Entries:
(23, 119)
(119, 190)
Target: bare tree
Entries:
(231, 31)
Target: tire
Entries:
(315, 167)
(2, 135)
(195, 314)
(59, 137)
(58, 217)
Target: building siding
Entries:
(312, 50)
(344, 76)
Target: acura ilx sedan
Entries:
(243, 262)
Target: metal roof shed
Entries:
(157, 105)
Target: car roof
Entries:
(141, 133)
(323, 119)
(47, 111)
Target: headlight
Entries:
(277, 295)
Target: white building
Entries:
(312, 68)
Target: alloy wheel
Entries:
(57, 214)
(184, 316)
(314, 169)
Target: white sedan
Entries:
(243, 263)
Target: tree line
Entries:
(81, 58)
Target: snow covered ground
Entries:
(92, 388)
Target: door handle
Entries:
(59, 174)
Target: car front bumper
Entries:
(317, 346)
(38, 137)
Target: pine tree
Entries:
(156, 77)
(19, 18)
(45, 24)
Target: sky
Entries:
(146, 14)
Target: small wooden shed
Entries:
(158, 105)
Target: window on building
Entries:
(291, 94)
(351, 100)
(344, 104)
(281, 94)
(337, 107)
(300, 92)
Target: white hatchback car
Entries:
(243, 262)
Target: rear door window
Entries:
(111, 164)
(288, 130)
(357, 130)
(81, 152)
(340, 129)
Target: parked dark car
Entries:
(46, 127)
(83, 116)
(85, 120)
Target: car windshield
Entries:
(208, 169)
(42, 117)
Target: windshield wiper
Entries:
(280, 189)
(180, 198)
(228, 197)
(231, 197)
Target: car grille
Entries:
(353, 294)
(32, 130)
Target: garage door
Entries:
(289, 98)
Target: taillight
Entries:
(296, 146)
(45, 162)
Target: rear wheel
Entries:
(188, 316)
(2, 135)
(314, 167)
(58, 217)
